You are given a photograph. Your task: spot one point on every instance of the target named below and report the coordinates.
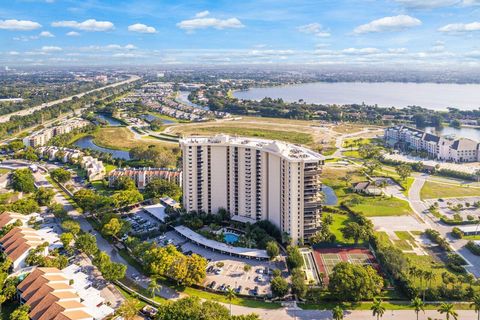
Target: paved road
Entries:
(24, 112)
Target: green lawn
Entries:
(382, 206)
(434, 190)
(110, 167)
(405, 235)
(340, 221)
(3, 171)
(352, 154)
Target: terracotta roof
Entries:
(43, 284)
(34, 275)
(73, 315)
(39, 308)
(48, 293)
(9, 217)
(20, 240)
(61, 306)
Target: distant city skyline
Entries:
(387, 33)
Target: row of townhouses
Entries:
(93, 167)
(440, 148)
(41, 137)
(254, 179)
(143, 176)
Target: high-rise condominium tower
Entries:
(254, 179)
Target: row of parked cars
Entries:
(140, 225)
(225, 287)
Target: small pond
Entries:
(151, 117)
(331, 198)
(87, 143)
(111, 121)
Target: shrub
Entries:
(457, 233)
(473, 248)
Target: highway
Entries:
(28, 111)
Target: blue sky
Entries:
(343, 32)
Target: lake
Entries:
(463, 132)
(385, 94)
(331, 198)
(87, 143)
(182, 97)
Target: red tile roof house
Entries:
(18, 242)
(50, 296)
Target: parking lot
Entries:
(141, 222)
(224, 271)
(467, 206)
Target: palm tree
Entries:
(153, 287)
(337, 313)
(417, 305)
(230, 296)
(476, 305)
(412, 271)
(429, 276)
(447, 308)
(377, 308)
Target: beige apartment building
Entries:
(254, 179)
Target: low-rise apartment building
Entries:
(142, 176)
(94, 168)
(67, 294)
(254, 179)
(440, 148)
(40, 138)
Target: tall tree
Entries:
(153, 287)
(129, 309)
(417, 305)
(230, 294)
(448, 310)
(476, 305)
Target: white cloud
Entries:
(471, 2)
(87, 25)
(460, 27)
(51, 49)
(23, 25)
(130, 47)
(46, 34)
(361, 51)
(13, 53)
(394, 23)
(73, 34)
(398, 50)
(202, 14)
(314, 28)
(427, 4)
(203, 23)
(141, 28)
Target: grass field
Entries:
(340, 221)
(289, 136)
(121, 138)
(382, 206)
(434, 190)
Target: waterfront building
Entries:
(41, 137)
(254, 179)
(440, 148)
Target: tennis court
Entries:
(327, 258)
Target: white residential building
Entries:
(41, 137)
(142, 176)
(459, 150)
(94, 167)
(254, 179)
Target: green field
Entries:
(382, 206)
(340, 221)
(435, 190)
(234, 129)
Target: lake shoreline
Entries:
(429, 95)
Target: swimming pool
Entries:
(230, 237)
